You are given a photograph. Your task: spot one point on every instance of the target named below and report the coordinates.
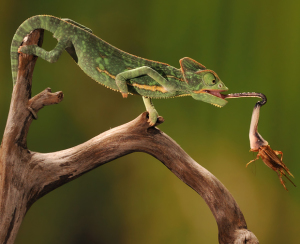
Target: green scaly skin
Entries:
(118, 70)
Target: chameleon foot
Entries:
(26, 49)
(151, 110)
(152, 117)
(20, 49)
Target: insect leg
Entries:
(279, 152)
(257, 157)
(279, 173)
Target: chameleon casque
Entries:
(118, 70)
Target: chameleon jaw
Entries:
(218, 96)
(212, 96)
(217, 105)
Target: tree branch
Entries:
(26, 176)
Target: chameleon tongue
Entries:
(256, 140)
(248, 94)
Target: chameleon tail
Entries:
(46, 22)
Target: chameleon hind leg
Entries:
(145, 70)
(51, 56)
(151, 110)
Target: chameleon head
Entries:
(203, 84)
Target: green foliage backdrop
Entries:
(252, 45)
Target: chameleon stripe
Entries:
(200, 91)
(145, 87)
(149, 88)
(176, 78)
(106, 72)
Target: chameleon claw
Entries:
(124, 95)
(19, 50)
(152, 118)
(150, 123)
(25, 49)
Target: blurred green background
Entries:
(252, 45)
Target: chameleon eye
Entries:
(209, 79)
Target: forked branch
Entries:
(26, 176)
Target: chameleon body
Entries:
(118, 70)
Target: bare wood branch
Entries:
(14, 156)
(26, 176)
(44, 98)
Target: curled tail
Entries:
(46, 22)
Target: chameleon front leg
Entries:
(144, 70)
(151, 110)
(51, 56)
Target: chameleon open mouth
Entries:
(212, 96)
(216, 93)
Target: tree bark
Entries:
(26, 176)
